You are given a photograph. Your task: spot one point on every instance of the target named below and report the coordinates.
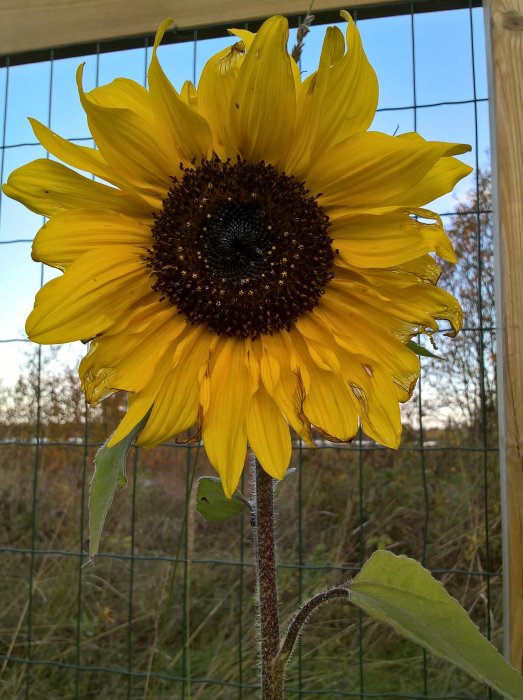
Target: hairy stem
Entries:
(302, 616)
(268, 619)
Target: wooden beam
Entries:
(30, 25)
(505, 26)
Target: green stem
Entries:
(268, 618)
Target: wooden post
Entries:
(29, 25)
(505, 27)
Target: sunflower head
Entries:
(254, 259)
(231, 245)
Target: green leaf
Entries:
(420, 350)
(400, 592)
(109, 476)
(213, 504)
(278, 484)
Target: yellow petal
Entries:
(89, 297)
(320, 342)
(348, 311)
(268, 434)
(121, 120)
(46, 187)
(263, 103)
(330, 408)
(387, 241)
(340, 100)
(139, 405)
(127, 358)
(285, 384)
(88, 159)
(426, 303)
(269, 370)
(189, 95)
(176, 405)
(186, 130)
(401, 301)
(442, 178)
(71, 233)
(224, 433)
(375, 397)
(374, 169)
(310, 98)
(328, 404)
(215, 90)
(370, 339)
(352, 95)
(423, 269)
(245, 35)
(382, 420)
(247, 38)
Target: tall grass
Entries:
(170, 598)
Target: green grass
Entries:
(185, 629)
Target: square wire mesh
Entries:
(167, 610)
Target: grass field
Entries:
(170, 599)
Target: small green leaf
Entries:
(278, 484)
(420, 350)
(109, 476)
(213, 504)
(400, 592)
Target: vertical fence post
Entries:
(504, 20)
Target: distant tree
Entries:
(464, 384)
(47, 391)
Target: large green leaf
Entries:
(109, 476)
(400, 592)
(213, 504)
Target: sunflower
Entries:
(257, 261)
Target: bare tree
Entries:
(464, 383)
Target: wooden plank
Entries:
(29, 25)
(505, 26)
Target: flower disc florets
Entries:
(241, 248)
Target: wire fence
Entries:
(166, 610)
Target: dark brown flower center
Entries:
(240, 248)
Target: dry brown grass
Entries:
(183, 608)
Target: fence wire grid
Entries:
(166, 610)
